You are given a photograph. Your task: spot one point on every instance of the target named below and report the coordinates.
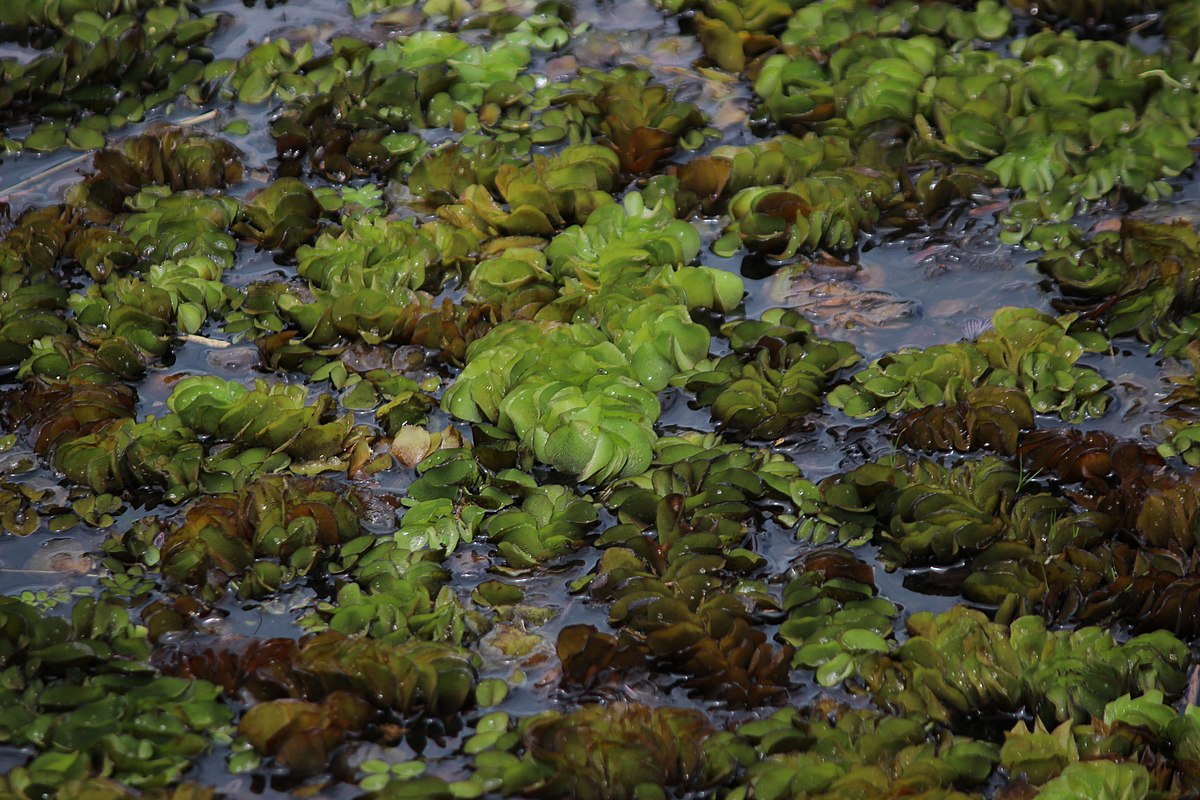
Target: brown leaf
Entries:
(644, 148)
(783, 205)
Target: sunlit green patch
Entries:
(835, 620)
(1024, 349)
(960, 662)
(1064, 120)
(447, 313)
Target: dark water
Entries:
(942, 288)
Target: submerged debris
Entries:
(835, 304)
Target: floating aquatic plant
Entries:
(126, 454)
(776, 375)
(273, 416)
(989, 416)
(639, 119)
(83, 697)
(1121, 553)
(1142, 279)
(597, 752)
(173, 157)
(632, 233)
(1024, 349)
(678, 593)
(166, 225)
(32, 294)
(573, 398)
(835, 618)
(103, 70)
(270, 532)
(960, 661)
(302, 735)
(550, 521)
(832, 750)
(328, 686)
(372, 253)
(805, 194)
(448, 227)
(1025, 117)
(923, 512)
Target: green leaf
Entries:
(83, 138)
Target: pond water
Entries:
(660, 565)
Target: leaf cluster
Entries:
(79, 692)
(1024, 349)
(776, 376)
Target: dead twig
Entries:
(60, 574)
(207, 342)
(1193, 686)
(33, 180)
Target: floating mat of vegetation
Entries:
(739, 399)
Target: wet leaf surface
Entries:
(494, 398)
